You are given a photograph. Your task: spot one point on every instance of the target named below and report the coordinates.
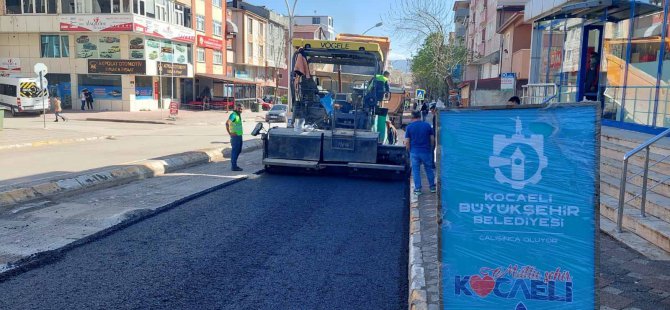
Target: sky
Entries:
(349, 16)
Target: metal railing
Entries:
(539, 93)
(645, 171)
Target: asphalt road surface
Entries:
(270, 242)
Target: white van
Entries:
(23, 95)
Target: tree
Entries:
(427, 24)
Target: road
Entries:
(270, 242)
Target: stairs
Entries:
(649, 235)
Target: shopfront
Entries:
(617, 55)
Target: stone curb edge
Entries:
(52, 142)
(113, 176)
(114, 120)
(38, 259)
(417, 278)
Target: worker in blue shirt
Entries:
(419, 141)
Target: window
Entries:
(102, 86)
(178, 14)
(216, 3)
(13, 6)
(139, 7)
(250, 24)
(201, 54)
(161, 10)
(260, 51)
(217, 28)
(483, 35)
(187, 17)
(218, 57)
(200, 23)
(250, 49)
(260, 31)
(144, 87)
(316, 20)
(8, 90)
(54, 46)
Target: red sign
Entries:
(174, 108)
(208, 42)
(156, 90)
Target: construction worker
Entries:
(235, 130)
(378, 87)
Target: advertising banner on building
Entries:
(96, 23)
(507, 81)
(160, 29)
(10, 65)
(518, 199)
(207, 42)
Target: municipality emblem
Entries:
(514, 157)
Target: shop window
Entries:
(201, 54)
(105, 87)
(200, 23)
(218, 57)
(144, 87)
(98, 47)
(217, 28)
(54, 46)
(136, 48)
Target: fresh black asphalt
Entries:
(271, 242)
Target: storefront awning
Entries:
(225, 79)
(617, 10)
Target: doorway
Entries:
(591, 55)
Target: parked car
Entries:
(90, 46)
(84, 54)
(277, 113)
(137, 54)
(153, 55)
(106, 54)
(83, 39)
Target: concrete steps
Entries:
(650, 234)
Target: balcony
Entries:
(461, 14)
(459, 31)
(521, 63)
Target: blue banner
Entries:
(144, 92)
(518, 204)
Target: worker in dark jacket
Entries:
(378, 87)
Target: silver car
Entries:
(277, 113)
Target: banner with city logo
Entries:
(518, 198)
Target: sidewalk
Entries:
(38, 232)
(627, 279)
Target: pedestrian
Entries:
(591, 79)
(391, 133)
(56, 103)
(514, 101)
(235, 130)
(89, 100)
(419, 141)
(424, 110)
(82, 97)
(432, 117)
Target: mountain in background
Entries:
(402, 65)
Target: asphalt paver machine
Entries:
(335, 125)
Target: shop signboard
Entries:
(518, 200)
(207, 42)
(507, 80)
(172, 69)
(96, 23)
(160, 29)
(10, 65)
(103, 66)
(102, 92)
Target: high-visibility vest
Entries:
(236, 121)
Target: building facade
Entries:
(326, 23)
(129, 54)
(618, 55)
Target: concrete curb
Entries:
(52, 142)
(113, 176)
(417, 278)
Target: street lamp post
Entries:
(291, 14)
(379, 24)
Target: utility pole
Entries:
(291, 15)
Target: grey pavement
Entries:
(125, 143)
(48, 225)
(268, 242)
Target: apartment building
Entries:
(210, 63)
(129, 54)
(259, 50)
(326, 23)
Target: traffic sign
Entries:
(40, 68)
(420, 94)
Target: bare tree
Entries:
(427, 24)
